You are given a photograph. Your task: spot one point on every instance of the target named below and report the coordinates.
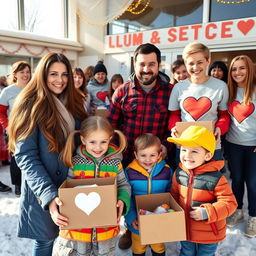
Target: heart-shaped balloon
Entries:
(87, 203)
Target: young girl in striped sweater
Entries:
(95, 158)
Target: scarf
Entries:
(67, 122)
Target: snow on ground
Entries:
(235, 244)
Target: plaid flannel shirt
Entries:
(134, 112)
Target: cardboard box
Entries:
(181, 126)
(101, 111)
(88, 207)
(164, 227)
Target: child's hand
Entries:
(57, 218)
(135, 224)
(120, 208)
(174, 132)
(196, 213)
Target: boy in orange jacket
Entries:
(202, 191)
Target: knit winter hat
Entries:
(100, 67)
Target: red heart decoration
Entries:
(240, 111)
(197, 108)
(102, 95)
(245, 26)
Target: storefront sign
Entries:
(207, 33)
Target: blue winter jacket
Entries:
(42, 173)
(143, 183)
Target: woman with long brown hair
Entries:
(44, 114)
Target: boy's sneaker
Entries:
(4, 188)
(251, 227)
(125, 240)
(236, 217)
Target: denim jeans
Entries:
(196, 249)
(43, 248)
(242, 162)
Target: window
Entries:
(42, 17)
(231, 11)
(160, 14)
(9, 17)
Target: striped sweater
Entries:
(87, 167)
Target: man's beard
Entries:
(147, 82)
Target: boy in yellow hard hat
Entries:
(202, 191)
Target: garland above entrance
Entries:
(27, 50)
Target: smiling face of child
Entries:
(148, 157)
(192, 157)
(96, 143)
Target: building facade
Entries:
(228, 29)
(31, 28)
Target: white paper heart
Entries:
(87, 203)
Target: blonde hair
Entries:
(35, 106)
(250, 80)
(16, 67)
(146, 140)
(89, 125)
(196, 47)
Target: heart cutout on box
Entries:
(87, 203)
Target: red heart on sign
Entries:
(240, 111)
(245, 26)
(102, 95)
(197, 108)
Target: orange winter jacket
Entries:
(206, 187)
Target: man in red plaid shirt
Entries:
(141, 104)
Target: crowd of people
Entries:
(49, 122)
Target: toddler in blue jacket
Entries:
(147, 174)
